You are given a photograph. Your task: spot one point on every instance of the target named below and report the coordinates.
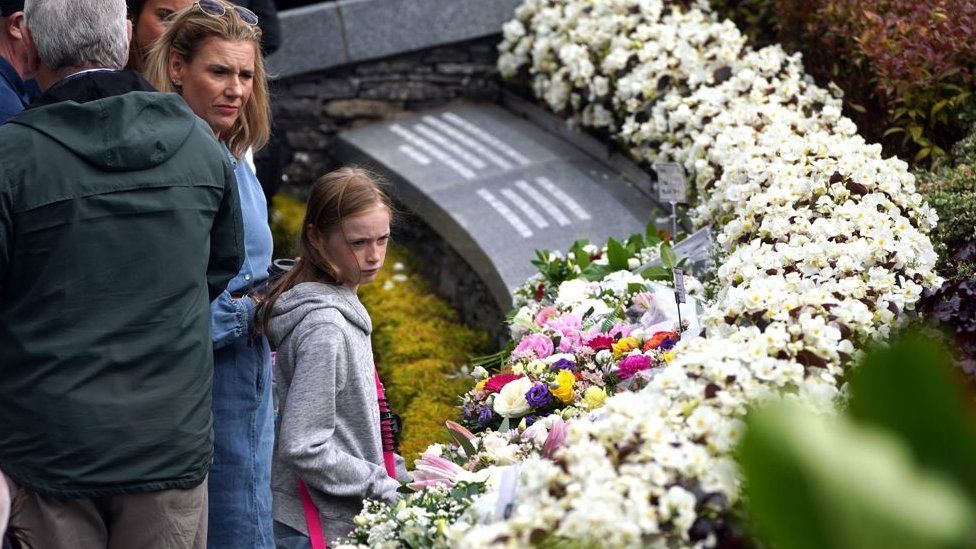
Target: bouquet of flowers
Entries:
(581, 340)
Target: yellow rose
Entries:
(624, 346)
(594, 397)
(480, 386)
(563, 388)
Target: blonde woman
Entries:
(210, 54)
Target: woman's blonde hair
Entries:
(334, 197)
(185, 35)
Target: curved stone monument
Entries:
(497, 187)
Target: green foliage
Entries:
(907, 67)
(951, 190)
(755, 18)
(895, 471)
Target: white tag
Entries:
(671, 183)
(508, 486)
(679, 285)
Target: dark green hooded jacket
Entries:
(119, 222)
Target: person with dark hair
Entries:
(268, 21)
(119, 224)
(14, 93)
(149, 19)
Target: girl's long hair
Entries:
(185, 35)
(336, 196)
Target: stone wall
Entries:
(309, 110)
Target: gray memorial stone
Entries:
(330, 34)
(497, 187)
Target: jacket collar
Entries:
(91, 86)
(14, 80)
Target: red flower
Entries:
(495, 383)
(599, 342)
(540, 291)
(659, 338)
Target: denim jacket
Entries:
(232, 318)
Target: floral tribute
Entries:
(822, 247)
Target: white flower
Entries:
(510, 401)
(572, 292)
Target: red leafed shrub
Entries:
(907, 67)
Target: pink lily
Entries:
(463, 437)
(557, 436)
(459, 429)
(433, 470)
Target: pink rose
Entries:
(545, 314)
(534, 346)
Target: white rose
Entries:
(510, 401)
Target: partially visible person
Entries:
(4, 509)
(149, 19)
(14, 92)
(119, 223)
(330, 445)
(210, 55)
(268, 21)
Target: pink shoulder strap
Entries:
(312, 520)
(315, 533)
(386, 429)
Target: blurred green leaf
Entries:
(814, 482)
(912, 389)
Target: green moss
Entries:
(418, 343)
(287, 214)
(424, 425)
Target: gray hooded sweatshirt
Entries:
(329, 429)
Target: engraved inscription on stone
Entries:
(497, 187)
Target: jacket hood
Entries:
(133, 131)
(308, 297)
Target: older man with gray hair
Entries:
(119, 223)
(15, 94)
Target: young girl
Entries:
(329, 439)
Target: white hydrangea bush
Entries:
(823, 243)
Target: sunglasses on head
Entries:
(219, 9)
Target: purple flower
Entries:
(563, 364)
(529, 420)
(667, 344)
(538, 396)
(484, 417)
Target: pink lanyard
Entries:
(312, 519)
